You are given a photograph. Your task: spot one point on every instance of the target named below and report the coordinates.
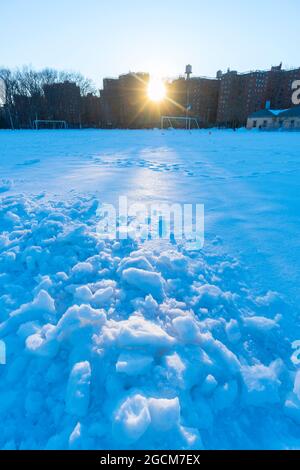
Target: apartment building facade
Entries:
(125, 103)
(226, 100)
(197, 97)
(63, 102)
(110, 103)
(243, 94)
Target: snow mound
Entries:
(147, 282)
(78, 389)
(115, 345)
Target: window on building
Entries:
(265, 123)
(254, 123)
(292, 123)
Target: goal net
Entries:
(179, 122)
(49, 124)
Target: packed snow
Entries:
(130, 345)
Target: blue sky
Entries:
(105, 38)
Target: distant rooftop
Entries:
(286, 113)
(292, 112)
(264, 113)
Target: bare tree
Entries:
(25, 98)
(10, 87)
(85, 84)
(2, 92)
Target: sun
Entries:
(156, 89)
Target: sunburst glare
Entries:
(156, 89)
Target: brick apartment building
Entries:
(135, 107)
(200, 93)
(110, 103)
(91, 115)
(125, 103)
(243, 94)
(226, 100)
(63, 102)
(280, 87)
(133, 94)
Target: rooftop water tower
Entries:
(188, 71)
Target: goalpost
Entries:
(49, 124)
(174, 122)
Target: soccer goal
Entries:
(49, 124)
(179, 122)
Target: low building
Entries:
(290, 119)
(275, 119)
(263, 119)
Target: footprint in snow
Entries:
(5, 185)
(29, 162)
